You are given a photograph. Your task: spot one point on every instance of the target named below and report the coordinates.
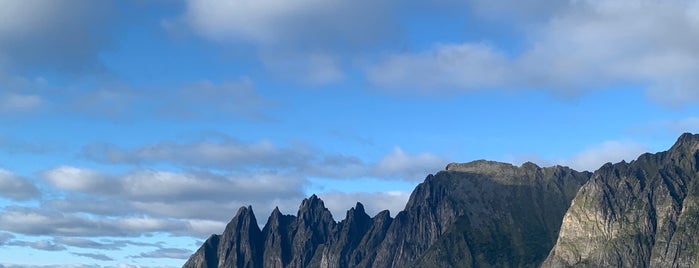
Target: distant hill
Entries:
(490, 214)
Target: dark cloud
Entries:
(45, 245)
(96, 256)
(87, 243)
(5, 237)
(15, 187)
(170, 253)
(61, 36)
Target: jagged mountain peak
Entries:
(687, 141)
(244, 217)
(313, 209)
(276, 211)
(244, 211)
(643, 213)
(312, 203)
(358, 209)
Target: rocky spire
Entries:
(241, 242)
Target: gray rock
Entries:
(495, 212)
(639, 214)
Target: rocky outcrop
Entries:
(639, 214)
(483, 214)
(496, 213)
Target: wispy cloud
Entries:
(45, 245)
(38, 221)
(595, 156)
(171, 253)
(302, 40)
(230, 154)
(96, 256)
(19, 103)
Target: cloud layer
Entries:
(588, 45)
(227, 153)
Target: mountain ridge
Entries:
(486, 213)
(643, 213)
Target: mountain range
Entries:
(490, 214)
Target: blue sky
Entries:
(131, 130)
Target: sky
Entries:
(132, 130)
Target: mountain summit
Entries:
(491, 214)
(639, 214)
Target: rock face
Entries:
(487, 214)
(481, 213)
(639, 214)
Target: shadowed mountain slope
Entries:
(481, 213)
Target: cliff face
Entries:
(490, 214)
(639, 214)
(476, 214)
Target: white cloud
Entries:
(13, 103)
(220, 153)
(168, 195)
(595, 156)
(287, 22)
(411, 167)
(447, 67)
(588, 45)
(38, 221)
(230, 154)
(77, 179)
(15, 187)
(303, 40)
